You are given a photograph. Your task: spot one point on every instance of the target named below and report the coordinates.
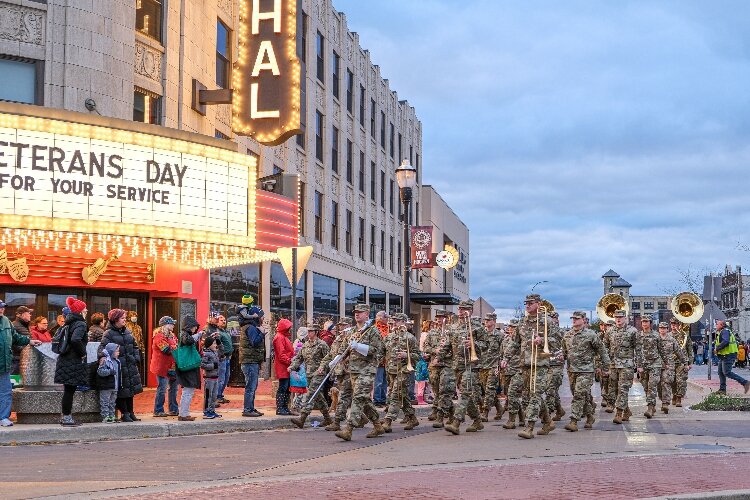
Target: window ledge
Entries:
(148, 41)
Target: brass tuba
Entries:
(610, 303)
(687, 308)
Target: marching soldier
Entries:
(511, 365)
(467, 370)
(365, 352)
(313, 352)
(604, 330)
(651, 355)
(401, 349)
(672, 351)
(340, 372)
(580, 350)
(622, 348)
(525, 336)
(438, 353)
(489, 366)
(679, 387)
(555, 378)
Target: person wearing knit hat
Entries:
(130, 357)
(163, 343)
(108, 381)
(70, 369)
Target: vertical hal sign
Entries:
(266, 76)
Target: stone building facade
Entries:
(735, 300)
(656, 306)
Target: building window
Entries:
(372, 118)
(416, 167)
(302, 205)
(382, 249)
(662, 305)
(302, 22)
(148, 18)
(394, 303)
(22, 80)
(353, 294)
(392, 141)
(221, 135)
(228, 284)
(223, 55)
(636, 306)
(362, 105)
(391, 197)
(318, 217)
(349, 91)
(372, 243)
(334, 224)
(382, 189)
(361, 239)
(325, 296)
(373, 181)
(399, 255)
(348, 233)
(390, 253)
(377, 301)
(382, 129)
(335, 150)
(146, 106)
(319, 136)
(320, 53)
(281, 294)
(362, 172)
(349, 166)
(336, 63)
(302, 35)
(411, 155)
(648, 305)
(400, 148)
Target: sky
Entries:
(574, 137)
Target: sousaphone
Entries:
(610, 303)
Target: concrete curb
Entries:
(713, 495)
(88, 433)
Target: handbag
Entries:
(186, 357)
(298, 378)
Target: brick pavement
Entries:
(601, 479)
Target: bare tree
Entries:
(689, 279)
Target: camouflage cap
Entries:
(466, 304)
(620, 313)
(513, 323)
(490, 316)
(362, 308)
(578, 315)
(555, 314)
(441, 312)
(646, 317)
(533, 297)
(345, 321)
(674, 320)
(400, 317)
(313, 327)
(663, 324)
(610, 322)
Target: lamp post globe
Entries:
(406, 177)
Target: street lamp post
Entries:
(406, 177)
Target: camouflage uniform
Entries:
(651, 354)
(470, 399)
(395, 343)
(580, 351)
(362, 370)
(536, 406)
(437, 347)
(603, 379)
(679, 387)
(672, 351)
(622, 348)
(312, 354)
(555, 376)
(567, 345)
(341, 373)
(513, 374)
(489, 367)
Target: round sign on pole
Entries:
(448, 258)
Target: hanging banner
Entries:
(421, 247)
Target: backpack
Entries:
(254, 335)
(61, 340)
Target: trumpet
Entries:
(472, 350)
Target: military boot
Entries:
(678, 401)
(475, 426)
(412, 423)
(334, 426)
(327, 420)
(618, 417)
(665, 408)
(404, 420)
(590, 419)
(610, 408)
(626, 414)
(485, 416)
(547, 427)
(377, 430)
(345, 433)
(559, 413)
(500, 408)
(387, 425)
(454, 427)
(649, 413)
(674, 399)
(511, 423)
(433, 415)
(300, 421)
(572, 426)
(439, 422)
(528, 432)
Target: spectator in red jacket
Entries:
(39, 330)
(283, 354)
(162, 365)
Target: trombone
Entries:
(535, 348)
(409, 367)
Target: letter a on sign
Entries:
(266, 77)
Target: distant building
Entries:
(657, 306)
(735, 300)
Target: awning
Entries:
(434, 299)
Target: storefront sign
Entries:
(421, 247)
(266, 78)
(459, 272)
(448, 258)
(57, 175)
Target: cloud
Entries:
(574, 137)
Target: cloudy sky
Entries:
(573, 137)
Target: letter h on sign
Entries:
(266, 80)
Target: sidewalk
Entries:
(150, 427)
(698, 380)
